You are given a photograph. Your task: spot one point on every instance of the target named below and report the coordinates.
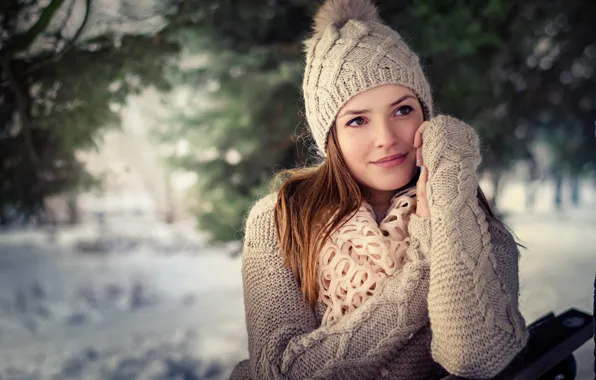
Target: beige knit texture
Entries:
(453, 307)
(360, 255)
(352, 59)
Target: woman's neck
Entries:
(380, 201)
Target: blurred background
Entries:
(135, 135)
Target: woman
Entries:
(347, 274)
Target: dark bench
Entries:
(549, 352)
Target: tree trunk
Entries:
(169, 215)
(74, 215)
(575, 198)
(3, 218)
(558, 191)
(496, 181)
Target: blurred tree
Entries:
(242, 115)
(61, 83)
(560, 88)
(503, 66)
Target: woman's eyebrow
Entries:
(401, 100)
(360, 112)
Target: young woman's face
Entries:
(375, 132)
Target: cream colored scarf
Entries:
(360, 255)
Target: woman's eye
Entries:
(404, 110)
(355, 122)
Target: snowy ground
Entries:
(161, 305)
(152, 311)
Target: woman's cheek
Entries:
(354, 141)
(414, 127)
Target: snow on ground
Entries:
(558, 269)
(162, 305)
(155, 309)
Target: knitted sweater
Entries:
(454, 306)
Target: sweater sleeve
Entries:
(477, 328)
(285, 340)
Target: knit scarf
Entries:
(361, 254)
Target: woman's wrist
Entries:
(420, 231)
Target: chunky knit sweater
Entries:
(454, 306)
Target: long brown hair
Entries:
(312, 202)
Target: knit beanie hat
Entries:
(351, 51)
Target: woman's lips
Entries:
(391, 161)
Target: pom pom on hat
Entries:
(338, 12)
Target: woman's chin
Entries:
(393, 182)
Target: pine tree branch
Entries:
(68, 16)
(185, 8)
(24, 41)
(58, 35)
(69, 45)
(23, 110)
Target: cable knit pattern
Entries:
(360, 255)
(453, 306)
(463, 244)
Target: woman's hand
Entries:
(422, 208)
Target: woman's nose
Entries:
(385, 135)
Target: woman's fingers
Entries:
(421, 184)
(422, 208)
(419, 157)
(418, 141)
(417, 138)
(418, 135)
